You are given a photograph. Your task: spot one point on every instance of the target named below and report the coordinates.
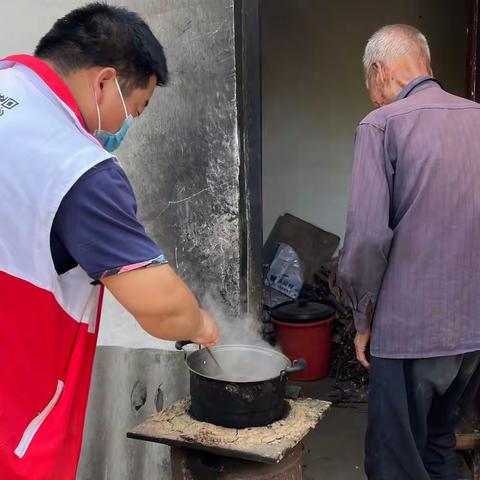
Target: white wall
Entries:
(314, 94)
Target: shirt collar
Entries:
(51, 78)
(424, 80)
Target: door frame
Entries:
(249, 108)
(473, 53)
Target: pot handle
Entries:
(297, 366)
(182, 343)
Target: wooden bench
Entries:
(469, 445)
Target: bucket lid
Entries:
(302, 311)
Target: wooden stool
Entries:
(469, 445)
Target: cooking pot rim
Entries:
(288, 362)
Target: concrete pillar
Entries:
(183, 158)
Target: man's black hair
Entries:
(107, 36)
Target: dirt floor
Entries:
(334, 450)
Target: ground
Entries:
(334, 450)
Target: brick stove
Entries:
(203, 451)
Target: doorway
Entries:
(314, 94)
(313, 97)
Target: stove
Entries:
(205, 451)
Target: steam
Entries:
(245, 330)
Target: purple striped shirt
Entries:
(411, 258)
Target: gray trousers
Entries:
(414, 408)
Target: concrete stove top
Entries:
(175, 427)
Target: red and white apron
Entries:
(48, 322)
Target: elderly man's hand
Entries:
(361, 344)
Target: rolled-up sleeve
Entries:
(368, 234)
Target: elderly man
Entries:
(411, 262)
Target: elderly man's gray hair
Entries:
(393, 41)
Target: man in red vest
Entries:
(68, 216)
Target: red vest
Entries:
(48, 322)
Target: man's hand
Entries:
(208, 332)
(361, 344)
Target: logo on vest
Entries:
(6, 103)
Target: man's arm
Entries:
(96, 227)
(368, 235)
(162, 304)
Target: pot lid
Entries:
(302, 311)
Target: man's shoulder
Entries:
(104, 169)
(433, 99)
(99, 187)
(380, 116)
(105, 175)
(377, 118)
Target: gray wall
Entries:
(183, 159)
(314, 93)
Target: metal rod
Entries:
(215, 360)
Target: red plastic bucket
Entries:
(311, 341)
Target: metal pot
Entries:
(248, 391)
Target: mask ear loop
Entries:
(121, 97)
(99, 119)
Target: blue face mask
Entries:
(111, 141)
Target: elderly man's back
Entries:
(410, 268)
(429, 301)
